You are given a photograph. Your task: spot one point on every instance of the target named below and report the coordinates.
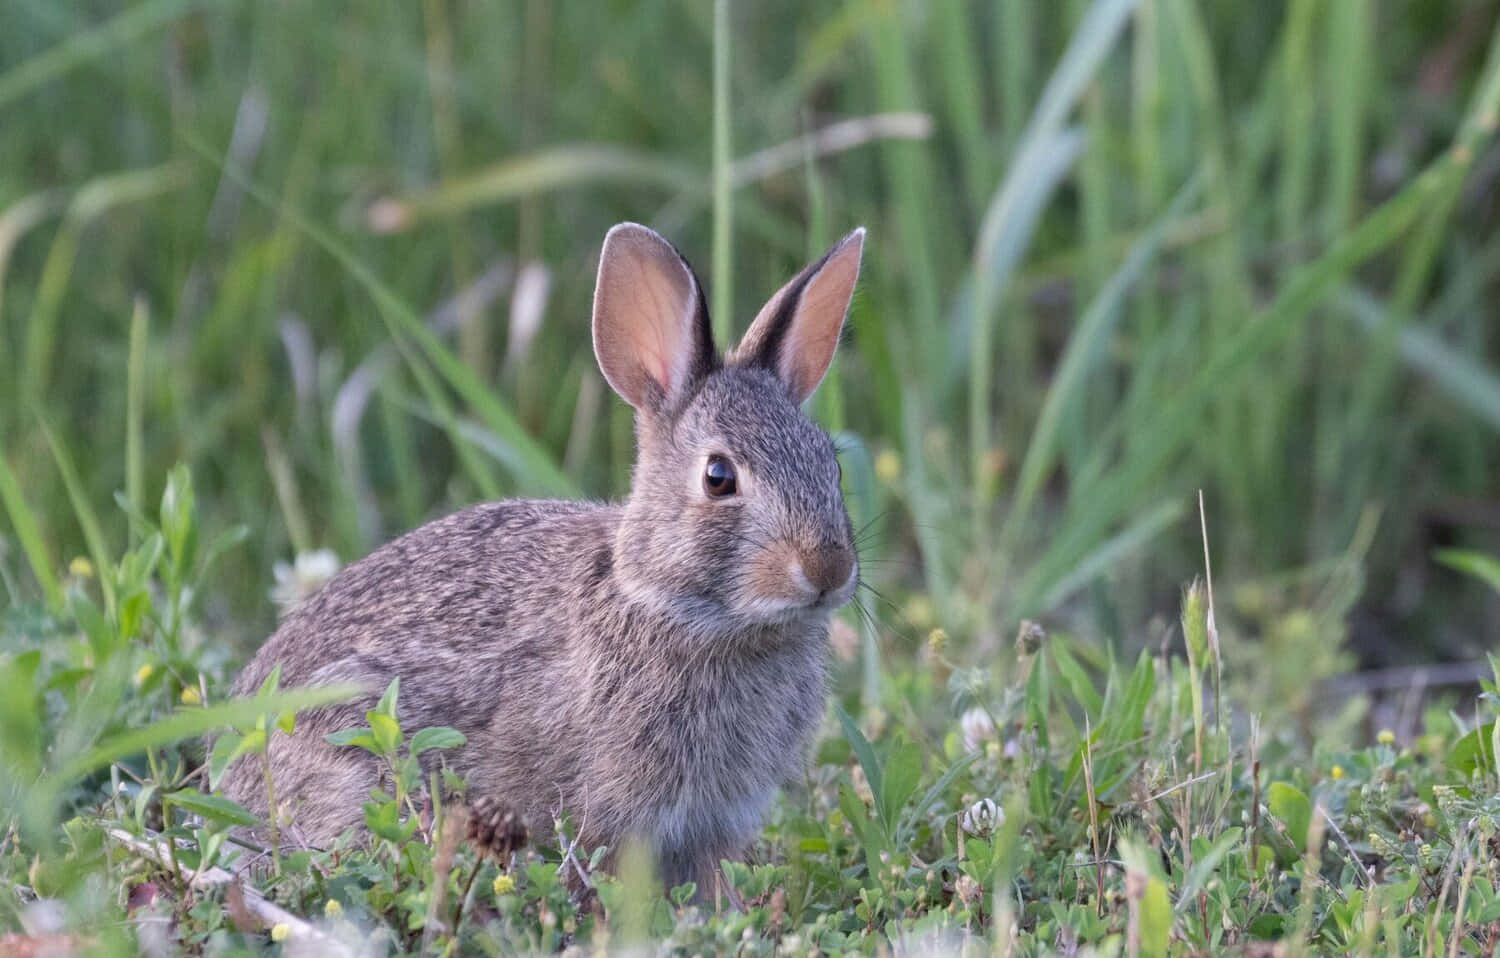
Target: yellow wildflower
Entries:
(81, 567)
(143, 673)
(504, 885)
(1386, 737)
(190, 696)
(937, 640)
(1336, 773)
(333, 909)
(281, 931)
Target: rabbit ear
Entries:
(651, 331)
(795, 333)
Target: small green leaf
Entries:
(1288, 803)
(272, 681)
(221, 756)
(1078, 680)
(855, 812)
(439, 736)
(91, 620)
(178, 523)
(387, 731)
(383, 819)
(1474, 752)
(387, 704)
(215, 808)
(1485, 568)
(862, 750)
(903, 773)
(354, 737)
(1205, 863)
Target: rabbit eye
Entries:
(718, 478)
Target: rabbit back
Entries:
(447, 608)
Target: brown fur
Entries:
(654, 668)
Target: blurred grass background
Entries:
(339, 258)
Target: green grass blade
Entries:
(135, 387)
(16, 220)
(88, 520)
(1485, 568)
(1349, 80)
(1128, 541)
(722, 294)
(521, 176)
(1015, 49)
(28, 532)
(1004, 232)
(1479, 124)
(961, 78)
(1180, 416)
(92, 200)
(92, 44)
(1455, 374)
(191, 723)
(542, 474)
(448, 420)
(1084, 348)
(1299, 92)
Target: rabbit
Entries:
(655, 668)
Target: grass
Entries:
(1120, 251)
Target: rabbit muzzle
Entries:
(827, 572)
(788, 578)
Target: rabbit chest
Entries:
(690, 748)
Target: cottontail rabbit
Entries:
(656, 668)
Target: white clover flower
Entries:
(983, 817)
(978, 728)
(299, 579)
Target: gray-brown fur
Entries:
(655, 668)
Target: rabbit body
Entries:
(656, 668)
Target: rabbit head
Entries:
(735, 518)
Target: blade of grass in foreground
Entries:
(45, 795)
(192, 722)
(23, 522)
(541, 474)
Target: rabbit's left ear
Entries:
(796, 332)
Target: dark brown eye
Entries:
(718, 478)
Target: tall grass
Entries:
(1120, 250)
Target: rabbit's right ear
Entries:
(651, 331)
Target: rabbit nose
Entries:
(827, 568)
